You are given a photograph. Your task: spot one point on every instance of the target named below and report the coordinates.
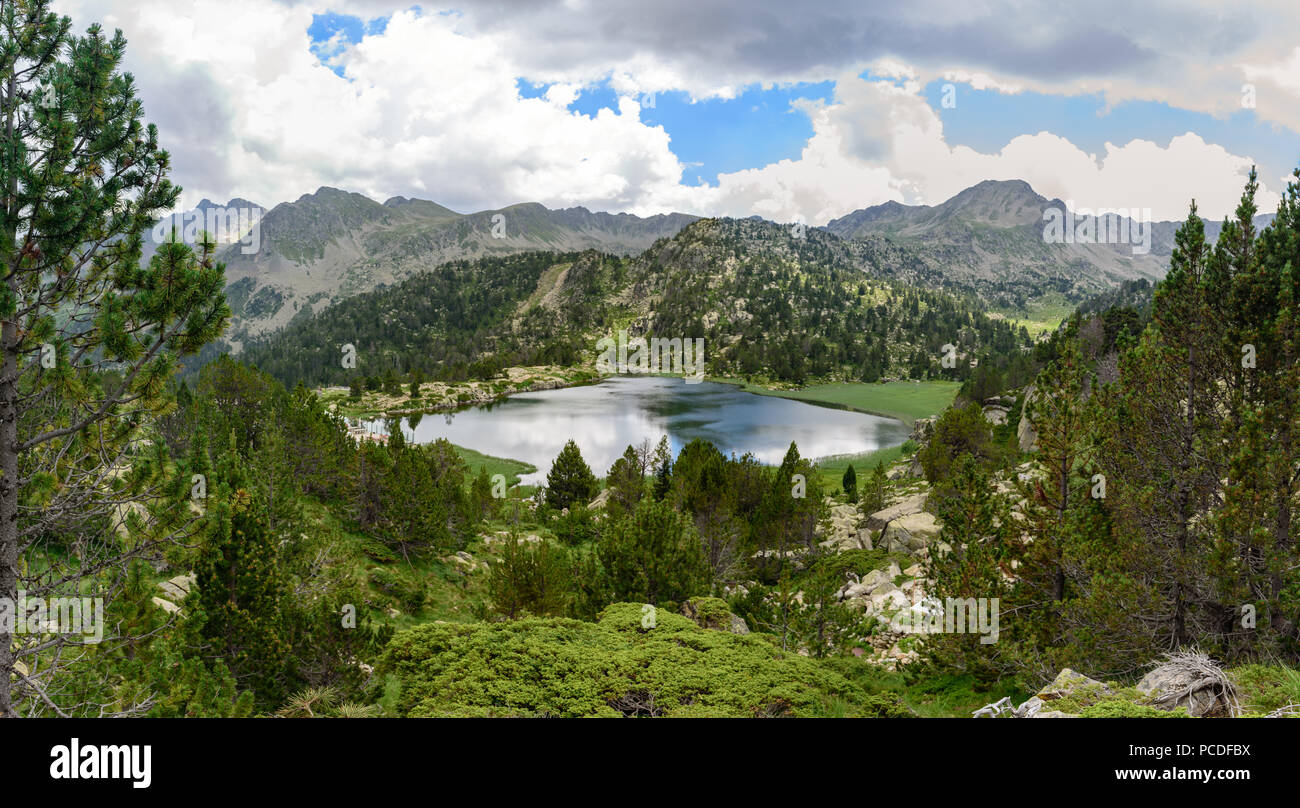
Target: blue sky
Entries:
(714, 136)
(330, 28)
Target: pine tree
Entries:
(570, 480)
(480, 492)
(787, 518)
(663, 465)
(1064, 451)
(83, 178)
(625, 483)
(532, 578)
(873, 494)
(983, 551)
(1270, 294)
(653, 556)
(241, 595)
(1161, 436)
(850, 483)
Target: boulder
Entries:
(875, 579)
(889, 597)
(922, 429)
(921, 524)
(907, 506)
(166, 605)
(895, 539)
(1068, 682)
(713, 613)
(842, 532)
(1191, 681)
(854, 592)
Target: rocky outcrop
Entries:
(905, 526)
(1067, 684)
(1025, 432)
(922, 429)
(845, 531)
(996, 414)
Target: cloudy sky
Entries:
(757, 107)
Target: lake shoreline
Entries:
(626, 410)
(458, 396)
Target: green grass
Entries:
(906, 401)
(831, 469)
(512, 469)
(1042, 315)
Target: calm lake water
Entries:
(604, 418)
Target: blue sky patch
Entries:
(329, 30)
(986, 120)
(716, 136)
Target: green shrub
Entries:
(406, 590)
(613, 667)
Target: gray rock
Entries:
(875, 579)
(1025, 432)
(1170, 687)
(996, 415)
(1030, 708)
(895, 539)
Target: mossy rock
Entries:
(1120, 708)
(708, 613)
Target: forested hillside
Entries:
(767, 301)
(1154, 478)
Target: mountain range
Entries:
(987, 241)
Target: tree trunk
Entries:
(8, 502)
(9, 454)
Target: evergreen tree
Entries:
(240, 591)
(788, 515)
(532, 578)
(1064, 448)
(89, 337)
(663, 466)
(850, 483)
(873, 494)
(625, 483)
(570, 480)
(653, 556)
(484, 503)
